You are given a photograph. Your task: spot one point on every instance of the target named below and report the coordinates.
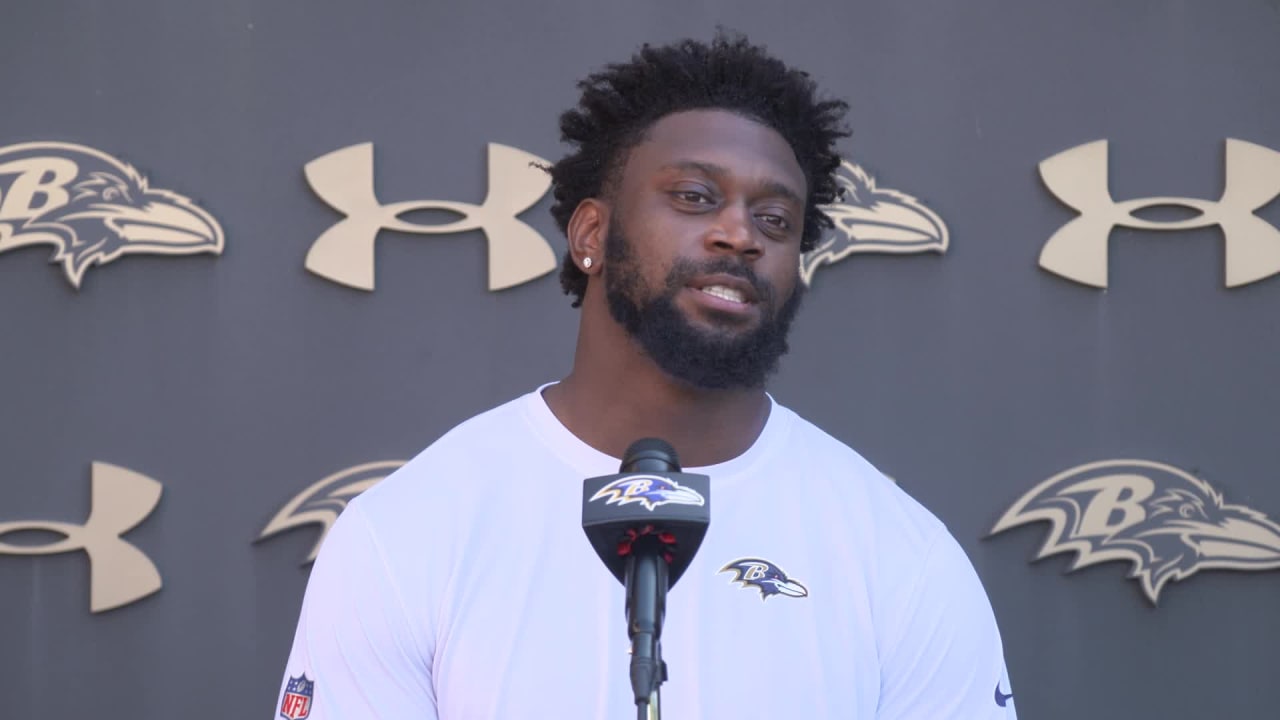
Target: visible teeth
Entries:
(725, 293)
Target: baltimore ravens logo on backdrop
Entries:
(650, 491)
(869, 219)
(766, 577)
(93, 208)
(1166, 523)
(323, 500)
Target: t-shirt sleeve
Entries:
(943, 658)
(355, 653)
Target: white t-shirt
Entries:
(463, 586)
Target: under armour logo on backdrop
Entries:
(1079, 178)
(119, 573)
(345, 252)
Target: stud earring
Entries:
(586, 263)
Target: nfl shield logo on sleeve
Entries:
(297, 698)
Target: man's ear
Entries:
(586, 233)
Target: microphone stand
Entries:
(653, 709)
(646, 583)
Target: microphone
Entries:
(646, 523)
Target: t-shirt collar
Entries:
(590, 462)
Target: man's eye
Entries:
(691, 196)
(776, 221)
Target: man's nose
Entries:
(734, 232)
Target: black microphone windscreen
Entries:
(650, 454)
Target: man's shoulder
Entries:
(885, 503)
(464, 451)
(483, 428)
(820, 447)
(816, 440)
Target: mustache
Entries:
(685, 269)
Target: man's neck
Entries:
(616, 395)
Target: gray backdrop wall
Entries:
(237, 380)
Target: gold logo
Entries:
(870, 219)
(345, 252)
(119, 573)
(1167, 524)
(93, 208)
(323, 500)
(1078, 177)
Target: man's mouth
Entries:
(725, 293)
(729, 290)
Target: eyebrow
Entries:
(771, 187)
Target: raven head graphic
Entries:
(872, 219)
(1166, 523)
(324, 500)
(650, 491)
(93, 208)
(764, 576)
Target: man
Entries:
(463, 587)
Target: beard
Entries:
(705, 358)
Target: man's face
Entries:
(703, 248)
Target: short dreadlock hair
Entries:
(622, 102)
